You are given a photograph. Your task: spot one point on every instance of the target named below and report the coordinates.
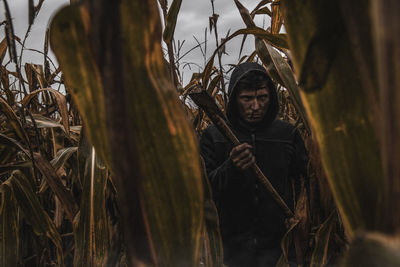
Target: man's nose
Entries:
(255, 104)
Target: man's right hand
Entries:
(242, 157)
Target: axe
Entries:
(204, 101)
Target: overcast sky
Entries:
(192, 21)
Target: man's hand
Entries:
(242, 157)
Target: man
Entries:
(252, 224)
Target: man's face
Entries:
(253, 104)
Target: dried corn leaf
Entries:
(57, 186)
(320, 254)
(3, 49)
(14, 121)
(172, 17)
(34, 213)
(287, 76)
(276, 40)
(91, 228)
(60, 100)
(8, 227)
(277, 17)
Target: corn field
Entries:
(99, 158)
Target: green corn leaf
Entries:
(34, 212)
(171, 20)
(8, 227)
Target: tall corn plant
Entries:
(111, 57)
(344, 60)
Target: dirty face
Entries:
(253, 104)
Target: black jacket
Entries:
(252, 224)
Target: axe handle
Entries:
(227, 132)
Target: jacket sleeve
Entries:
(219, 168)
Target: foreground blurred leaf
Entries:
(373, 249)
(8, 227)
(154, 154)
(33, 211)
(344, 128)
(387, 41)
(91, 229)
(71, 44)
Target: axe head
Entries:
(204, 101)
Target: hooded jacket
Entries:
(251, 223)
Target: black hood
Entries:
(238, 73)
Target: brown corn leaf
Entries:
(277, 17)
(287, 76)
(3, 49)
(34, 212)
(244, 13)
(6, 85)
(57, 186)
(91, 228)
(259, 7)
(60, 100)
(320, 253)
(8, 227)
(264, 11)
(276, 40)
(14, 121)
(171, 20)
